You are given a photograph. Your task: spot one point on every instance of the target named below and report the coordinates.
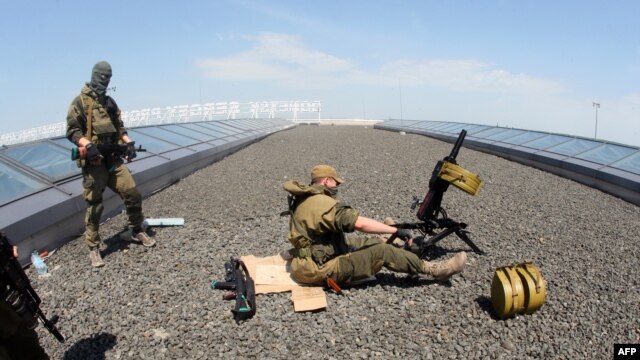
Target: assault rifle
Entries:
(110, 152)
(17, 291)
(434, 223)
(241, 287)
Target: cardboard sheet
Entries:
(308, 298)
(272, 274)
(270, 283)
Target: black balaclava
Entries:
(100, 76)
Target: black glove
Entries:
(93, 154)
(131, 151)
(404, 234)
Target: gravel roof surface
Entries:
(157, 303)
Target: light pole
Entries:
(400, 89)
(597, 106)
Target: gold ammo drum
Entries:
(460, 177)
(517, 289)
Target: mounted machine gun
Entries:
(434, 223)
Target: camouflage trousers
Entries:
(371, 254)
(119, 179)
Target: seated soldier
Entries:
(321, 250)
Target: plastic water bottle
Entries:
(37, 261)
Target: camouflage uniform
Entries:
(107, 128)
(317, 231)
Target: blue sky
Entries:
(526, 64)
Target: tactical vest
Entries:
(101, 128)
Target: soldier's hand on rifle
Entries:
(131, 151)
(404, 234)
(93, 154)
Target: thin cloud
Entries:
(275, 57)
(284, 59)
(465, 75)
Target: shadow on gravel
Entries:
(92, 348)
(114, 244)
(437, 253)
(400, 280)
(485, 304)
(122, 240)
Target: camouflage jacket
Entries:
(318, 221)
(106, 124)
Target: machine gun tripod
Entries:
(434, 223)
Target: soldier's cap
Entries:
(321, 171)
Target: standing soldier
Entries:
(93, 120)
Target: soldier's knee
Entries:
(377, 266)
(94, 212)
(377, 250)
(131, 195)
(92, 193)
(93, 202)
(345, 270)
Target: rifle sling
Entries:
(245, 306)
(88, 111)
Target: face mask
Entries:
(100, 77)
(331, 191)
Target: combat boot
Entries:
(144, 239)
(442, 270)
(96, 258)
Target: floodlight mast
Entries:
(400, 91)
(597, 106)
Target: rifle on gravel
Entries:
(434, 224)
(240, 287)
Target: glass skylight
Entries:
(606, 154)
(163, 134)
(46, 158)
(631, 163)
(16, 184)
(574, 147)
(182, 130)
